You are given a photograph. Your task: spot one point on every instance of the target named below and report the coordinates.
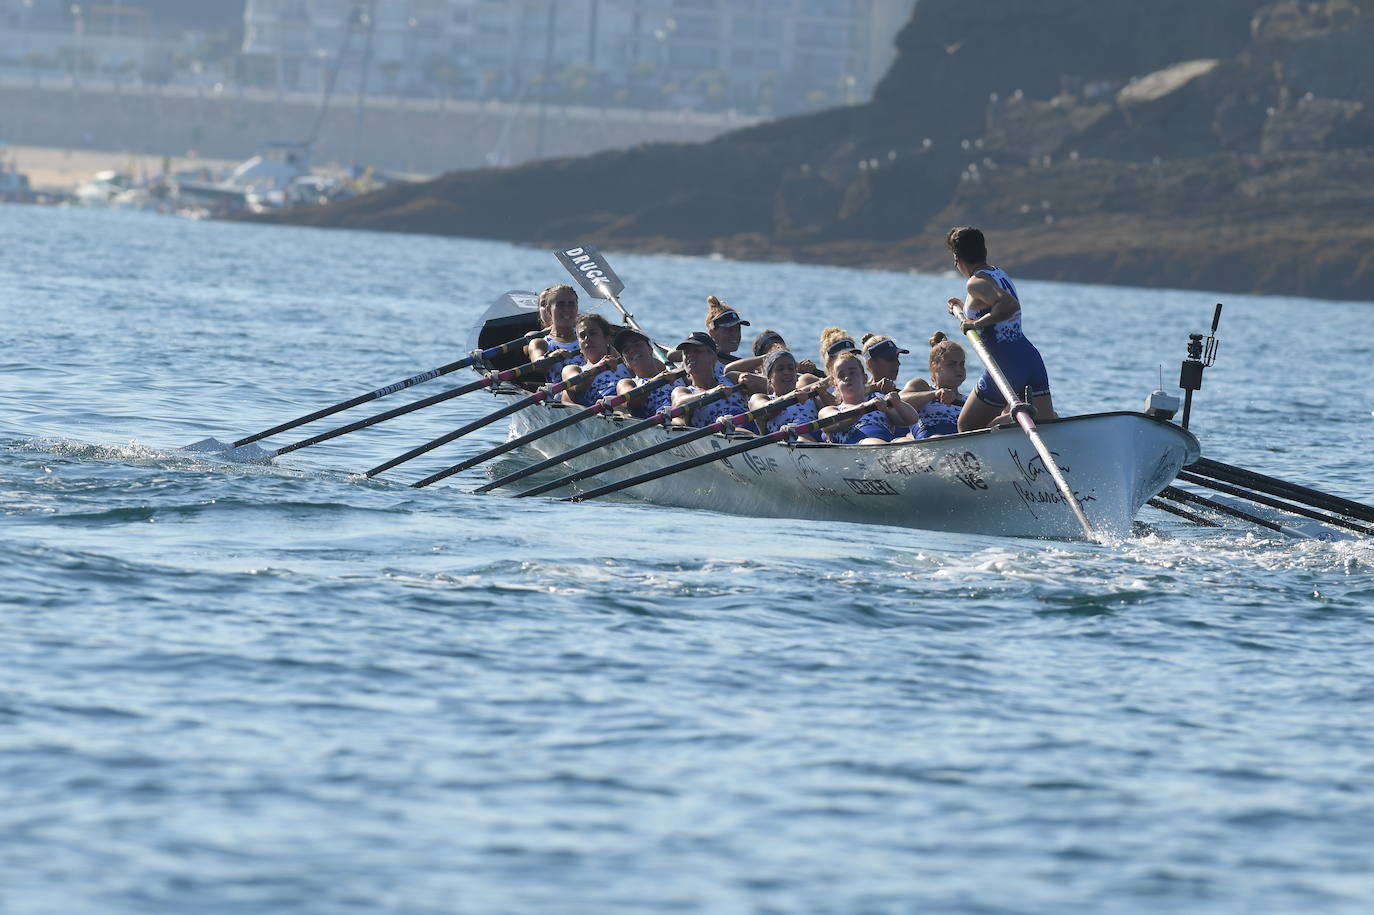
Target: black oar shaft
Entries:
(729, 451)
(1175, 494)
(1239, 476)
(477, 385)
(625, 432)
(537, 397)
(688, 464)
(386, 390)
(601, 406)
(1181, 512)
(675, 440)
(1273, 503)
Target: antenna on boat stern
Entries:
(1201, 354)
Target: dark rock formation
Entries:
(1222, 145)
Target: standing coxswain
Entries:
(992, 307)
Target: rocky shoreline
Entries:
(1226, 146)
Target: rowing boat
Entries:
(986, 482)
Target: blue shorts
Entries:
(1024, 368)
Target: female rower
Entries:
(558, 312)
(780, 368)
(766, 341)
(699, 359)
(598, 361)
(835, 342)
(638, 355)
(723, 323)
(883, 357)
(874, 427)
(992, 307)
(938, 408)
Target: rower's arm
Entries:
(918, 399)
(1000, 304)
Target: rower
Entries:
(875, 427)
(938, 407)
(699, 359)
(835, 341)
(883, 357)
(992, 306)
(558, 315)
(723, 323)
(598, 361)
(766, 341)
(638, 355)
(780, 368)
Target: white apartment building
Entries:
(771, 54)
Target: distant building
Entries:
(751, 54)
(109, 37)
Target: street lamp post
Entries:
(78, 27)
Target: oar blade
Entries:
(225, 451)
(592, 271)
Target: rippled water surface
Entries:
(267, 689)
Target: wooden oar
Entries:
(724, 424)
(485, 382)
(730, 451)
(413, 380)
(1260, 499)
(1021, 411)
(1239, 476)
(667, 414)
(604, 405)
(1173, 493)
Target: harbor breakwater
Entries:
(405, 135)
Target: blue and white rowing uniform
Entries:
(660, 398)
(556, 372)
(719, 372)
(872, 424)
(1017, 357)
(795, 415)
(602, 385)
(937, 419)
(706, 414)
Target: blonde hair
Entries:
(829, 337)
(940, 347)
(714, 309)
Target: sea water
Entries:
(247, 689)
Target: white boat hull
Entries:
(987, 482)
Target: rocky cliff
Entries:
(1223, 145)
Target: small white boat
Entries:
(987, 482)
